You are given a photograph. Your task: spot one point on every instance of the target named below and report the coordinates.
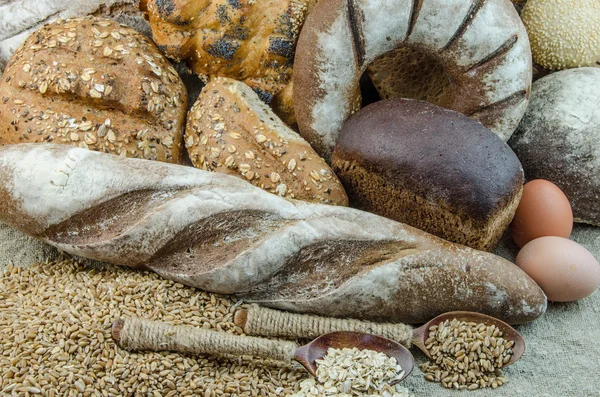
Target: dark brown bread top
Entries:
(93, 83)
(438, 154)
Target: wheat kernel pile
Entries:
(352, 372)
(55, 322)
(466, 355)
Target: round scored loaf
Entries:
(431, 168)
(559, 138)
(96, 84)
(477, 51)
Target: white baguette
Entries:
(222, 234)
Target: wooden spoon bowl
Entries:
(317, 349)
(421, 334)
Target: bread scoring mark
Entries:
(507, 102)
(212, 243)
(414, 15)
(302, 272)
(462, 28)
(501, 51)
(107, 220)
(355, 21)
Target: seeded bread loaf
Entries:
(20, 18)
(95, 84)
(231, 131)
(221, 234)
(247, 40)
(431, 168)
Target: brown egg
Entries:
(544, 210)
(565, 270)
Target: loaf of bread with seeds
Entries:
(221, 234)
(230, 130)
(96, 84)
(247, 40)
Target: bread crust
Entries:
(221, 234)
(231, 131)
(246, 40)
(93, 83)
(432, 168)
(559, 137)
(482, 45)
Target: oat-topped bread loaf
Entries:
(95, 84)
(431, 168)
(247, 40)
(231, 131)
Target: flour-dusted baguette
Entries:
(221, 234)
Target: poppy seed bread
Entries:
(431, 168)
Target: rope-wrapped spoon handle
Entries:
(256, 320)
(142, 334)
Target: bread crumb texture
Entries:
(95, 84)
(563, 33)
(55, 323)
(230, 130)
(247, 40)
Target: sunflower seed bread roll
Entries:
(221, 234)
(93, 83)
(231, 131)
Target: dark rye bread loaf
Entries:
(221, 234)
(431, 168)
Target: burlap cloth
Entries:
(563, 347)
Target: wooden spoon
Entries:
(257, 320)
(141, 334)
(421, 334)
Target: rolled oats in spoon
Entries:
(353, 372)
